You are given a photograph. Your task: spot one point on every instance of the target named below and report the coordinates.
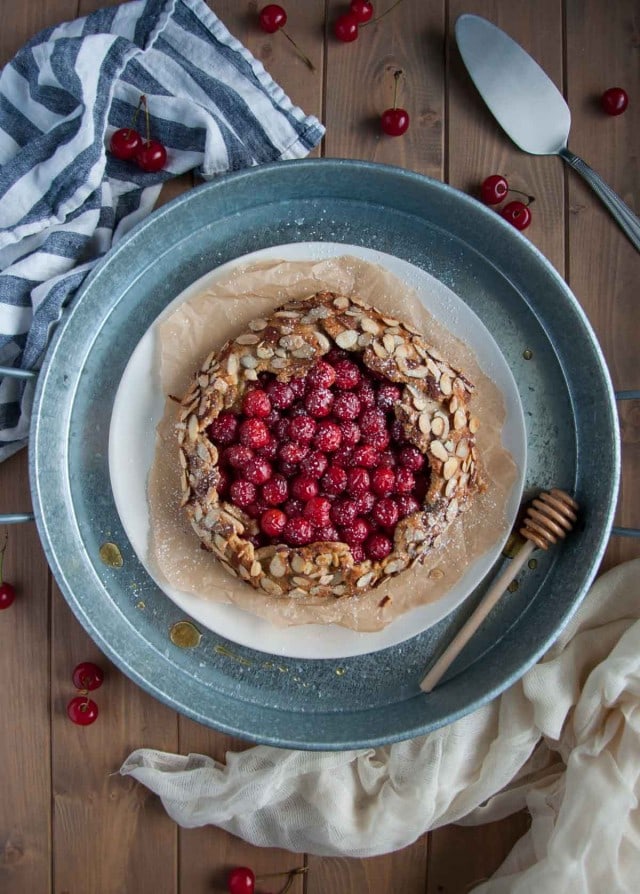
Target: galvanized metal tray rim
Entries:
(294, 725)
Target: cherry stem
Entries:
(396, 78)
(302, 55)
(382, 14)
(291, 873)
(529, 199)
(143, 101)
(2, 552)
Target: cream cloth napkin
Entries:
(564, 742)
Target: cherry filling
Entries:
(321, 458)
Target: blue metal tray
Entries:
(564, 387)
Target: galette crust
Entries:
(434, 412)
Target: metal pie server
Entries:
(528, 105)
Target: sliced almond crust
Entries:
(433, 410)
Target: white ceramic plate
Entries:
(139, 405)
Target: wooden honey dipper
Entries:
(549, 517)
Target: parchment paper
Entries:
(223, 311)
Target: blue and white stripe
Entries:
(64, 200)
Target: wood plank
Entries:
(477, 147)
(106, 827)
(360, 86)
(25, 818)
(92, 804)
(207, 854)
(603, 265)
(462, 857)
(23, 20)
(402, 871)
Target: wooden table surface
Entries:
(67, 824)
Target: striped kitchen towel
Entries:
(64, 200)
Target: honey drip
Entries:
(184, 635)
(111, 555)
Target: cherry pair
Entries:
(128, 145)
(86, 677)
(494, 189)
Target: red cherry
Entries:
(346, 406)
(346, 27)
(256, 403)
(321, 375)
(407, 505)
(328, 436)
(365, 502)
(366, 393)
(334, 481)
(7, 595)
(614, 100)
(494, 189)
(293, 507)
(395, 122)
(372, 421)
(326, 534)
(253, 433)
(319, 402)
(344, 512)
(272, 18)
(280, 394)
(358, 481)
(366, 455)
(239, 457)
(270, 449)
(380, 439)
(317, 511)
(362, 10)
(242, 493)
(275, 491)
(223, 481)
(293, 452)
(151, 156)
(347, 374)
(386, 512)
(224, 428)
(298, 386)
(388, 396)
(383, 481)
(405, 480)
(241, 880)
(314, 464)
(302, 428)
(87, 675)
(258, 472)
(304, 488)
(411, 458)
(350, 433)
(298, 531)
(82, 710)
(272, 522)
(378, 547)
(518, 214)
(356, 532)
(125, 143)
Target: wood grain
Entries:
(68, 823)
(25, 774)
(608, 36)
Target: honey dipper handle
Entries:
(465, 633)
